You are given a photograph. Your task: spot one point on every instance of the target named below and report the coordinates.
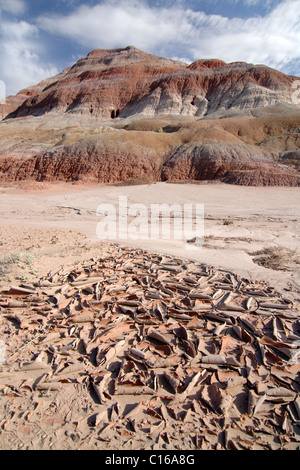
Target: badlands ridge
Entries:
(124, 115)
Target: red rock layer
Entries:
(121, 82)
(93, 162)
(231, 163)
(108, 84)
(101, 84)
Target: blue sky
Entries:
(40, 38)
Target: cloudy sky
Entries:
(39, 38)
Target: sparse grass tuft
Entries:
(23, 261)
(276, 257)
(228, 222)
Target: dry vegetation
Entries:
(23, 261)
(276, 257)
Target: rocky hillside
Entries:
(123, 115)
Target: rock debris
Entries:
(137, 350)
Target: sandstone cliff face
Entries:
(146, 156)
(203, 90)
(126, 115)
(10, 104)
(99, 85)
(231, 163)
(92, 160)
(211, 161)
(124, 82)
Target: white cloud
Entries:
(20, 56)
(13, 6)
(112, 23)
(273, 39)
(2, 92)
(250, 3)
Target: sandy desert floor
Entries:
(50, 227)
(46, 225)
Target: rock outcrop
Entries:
(232, 163)
(123, 114)
(99, 85)
(124, 82)
(213, 88)
(92, 160)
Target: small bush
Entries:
(228, 222)
(276, 257)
